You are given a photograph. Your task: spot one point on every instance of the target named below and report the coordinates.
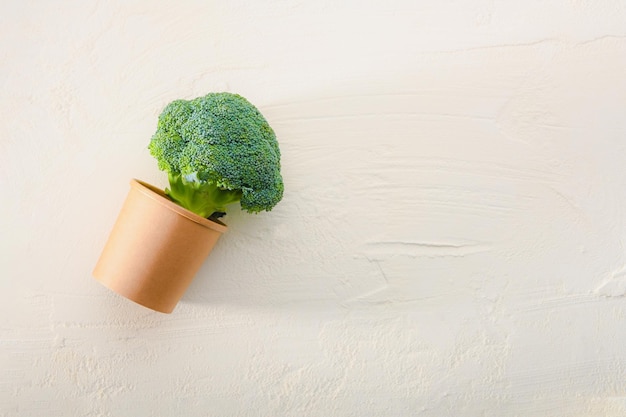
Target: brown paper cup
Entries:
(155, 249)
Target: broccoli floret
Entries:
(217, 150)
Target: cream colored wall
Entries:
(451, 241)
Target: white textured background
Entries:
(451, 241)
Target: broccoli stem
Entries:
(202, 198)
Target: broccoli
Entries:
(217, 150)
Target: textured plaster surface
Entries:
(451, 241)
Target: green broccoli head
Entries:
(218, 149)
